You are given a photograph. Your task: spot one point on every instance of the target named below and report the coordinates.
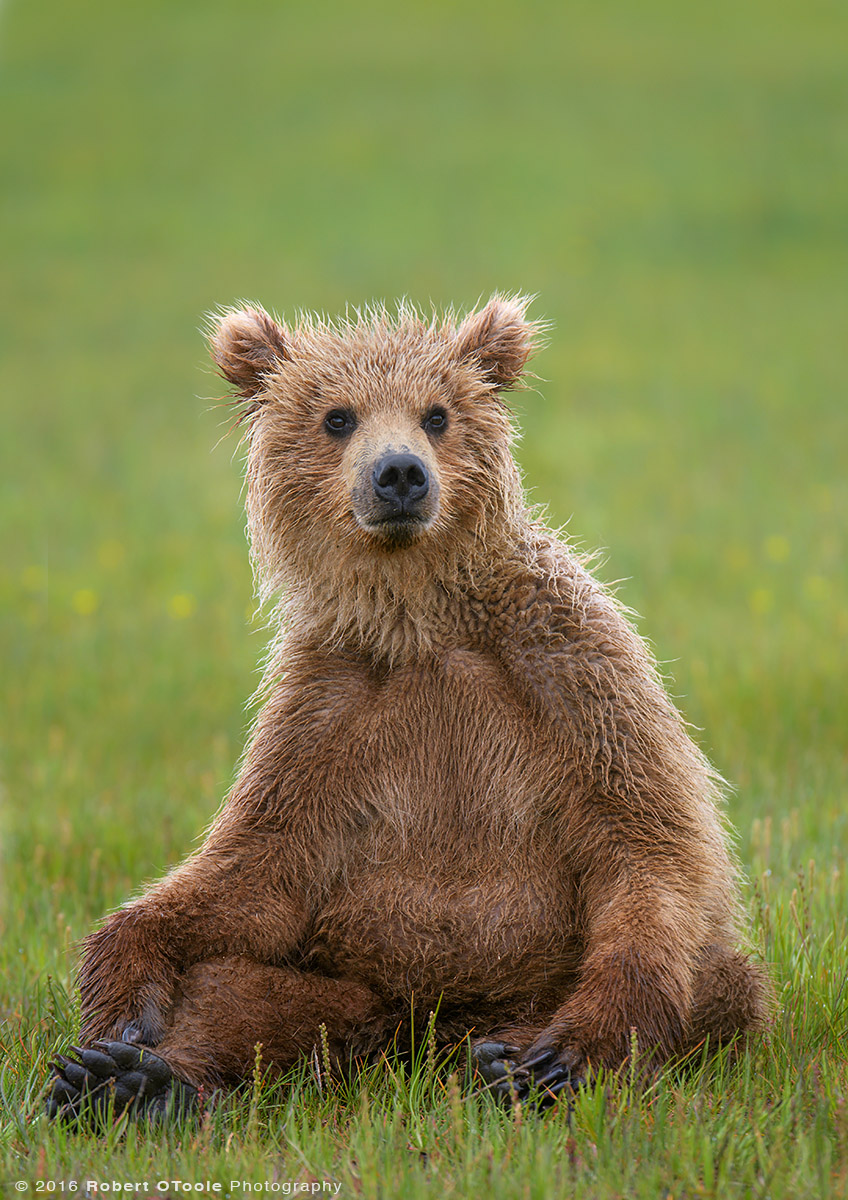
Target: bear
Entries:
(467, 792)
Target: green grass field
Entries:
(671, 180)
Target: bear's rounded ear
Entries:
(500, 338)
(247, 345)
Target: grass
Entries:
(671, 181)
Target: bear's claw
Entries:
(511, 1079)
(112, 1077)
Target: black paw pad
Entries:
(109, 1078)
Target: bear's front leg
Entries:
(216, 903)
(634, 993)
(627, 1002)
(126, 977)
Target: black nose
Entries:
(401, 478)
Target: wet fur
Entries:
(467, 788)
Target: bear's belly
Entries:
(491, 940)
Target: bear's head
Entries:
(378, 448)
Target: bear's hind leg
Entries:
(730, 997)
(223, 1009)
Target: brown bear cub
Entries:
(467, 792)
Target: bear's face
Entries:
(376, 437)
(388, 462)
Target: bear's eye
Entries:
(436, 421)
(340, 422)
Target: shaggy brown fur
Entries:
(467, 790)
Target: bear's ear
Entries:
(247, 345)
(500, 338)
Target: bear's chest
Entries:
(451, 879)
(447, 751)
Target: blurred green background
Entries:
(669, 179)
